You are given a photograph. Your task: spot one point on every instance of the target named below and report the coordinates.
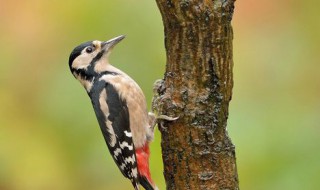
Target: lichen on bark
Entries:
(196, 149)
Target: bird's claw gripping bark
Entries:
(154, 120)
(167, 118)
(162, 118)
(155, 116)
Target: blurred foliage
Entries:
(49, 136)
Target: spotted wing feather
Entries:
(115, 127)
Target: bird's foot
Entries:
(166, 118)
(153, 120)
(161, 118)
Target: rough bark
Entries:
(197, 152)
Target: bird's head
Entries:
(91, 58)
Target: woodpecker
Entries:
(120, 107)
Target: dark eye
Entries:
(89, 49)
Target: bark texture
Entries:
(197, 87)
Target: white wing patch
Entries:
(104, 108)
(128, 134)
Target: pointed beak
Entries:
(108, 45)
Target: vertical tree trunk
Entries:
(197, 87)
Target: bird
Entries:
(120, 108)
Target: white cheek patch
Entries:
(83, 60)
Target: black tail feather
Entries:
(135, 185)
(145, 183)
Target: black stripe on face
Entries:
(94, 61)
(97, 57)
(89, 73)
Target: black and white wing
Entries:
(113, 117)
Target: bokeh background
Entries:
(49, 136)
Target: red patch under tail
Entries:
(142, 155)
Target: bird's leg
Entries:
(153, 120)
(161, 118)
(155, 117)
(166, 118)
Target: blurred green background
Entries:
(49, 136)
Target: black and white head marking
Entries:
(90, 59)
(84, 57)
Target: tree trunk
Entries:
(197, 152)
